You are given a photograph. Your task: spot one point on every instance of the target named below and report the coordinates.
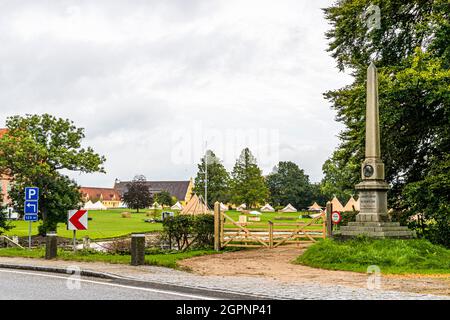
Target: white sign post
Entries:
(77, 220)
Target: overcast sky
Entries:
(151, 81)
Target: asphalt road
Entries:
(30, 285)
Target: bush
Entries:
(189, 231)
(348, 216)
(121, 246)
(203, 230)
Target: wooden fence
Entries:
(231, 233)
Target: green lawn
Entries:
(104, 224)
(168, 259)
(110, 224)
(270, 216)
(392, 256)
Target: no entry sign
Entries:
(77, 220)
(336, 217)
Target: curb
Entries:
(86, 273)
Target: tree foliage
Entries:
(412, 54)
(248, 185)
(218, 179)
(34, 151)
(289, 184)
(138, 194)
(164, 198)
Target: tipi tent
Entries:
(223, 207)
(94, 206)
(337, 206)
(196, 206)
(156, 205)
(177, 206)
(267, 208)
(88, 205)
(289, 208)
(242, 207)
(315, 207)
(351, 204)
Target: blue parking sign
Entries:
(31, 217)
(31, 194)
(31, 207)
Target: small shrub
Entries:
(121, 246)
(203, 230)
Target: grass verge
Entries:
(392, 256)
(155, 258)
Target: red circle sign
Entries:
(336, 217)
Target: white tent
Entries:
(289, 208)
(94, 206)
(315, 215)
(256, 213)
(242, 207)
(223, 207)
(88, 205)
(156, 205)
(177, 206)
(315, 207)
(267, 208)
(122, 205)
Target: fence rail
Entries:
(230, 233)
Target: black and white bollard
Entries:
(51, 246)
(137, 249)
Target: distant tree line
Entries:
(246, 183)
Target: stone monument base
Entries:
(378, 230)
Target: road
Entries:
(30, 285)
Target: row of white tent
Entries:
(99, 206)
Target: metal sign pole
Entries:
(74, 240)
(29, 235)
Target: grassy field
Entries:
(390, 255)
(104, 224)
(270, 216)
(157, 259)
(110, 224)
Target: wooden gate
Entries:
(231, 233)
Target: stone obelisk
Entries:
(373, 219)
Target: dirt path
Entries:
(276, 264)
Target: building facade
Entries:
(182, 190)
(109, 197)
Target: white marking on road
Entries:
(112, 285)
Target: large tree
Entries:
(4, 223)
(289, 184)
(218, 179)
(34, 151)
(248, 185)
(138, 194)
(410, 48)
(164, 198)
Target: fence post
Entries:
(51, 245)
(221, 226)
(270, 234)
(216, 226)
(329, 222)
(137, 249)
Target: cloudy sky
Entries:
(152, 81)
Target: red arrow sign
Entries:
(74, 218)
